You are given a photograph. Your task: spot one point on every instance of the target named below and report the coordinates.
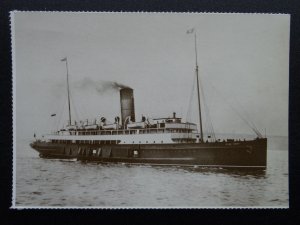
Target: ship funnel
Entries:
(127, 104)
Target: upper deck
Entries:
(160, 130)
(168, 128)
(163, 132)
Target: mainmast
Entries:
(197, 75)
(68, 89)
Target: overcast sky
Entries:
(243, 64)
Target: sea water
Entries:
(62, 183)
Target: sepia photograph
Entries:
(150, 110)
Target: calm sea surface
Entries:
(58, 183)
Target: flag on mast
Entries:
(64, 59)
(190, 31)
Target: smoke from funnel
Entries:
(99, 86)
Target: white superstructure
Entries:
(165, 131)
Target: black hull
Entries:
(219, 154)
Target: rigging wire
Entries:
(58, 124)
(250, 124)
(58, 113)
(80, 112)
(209, 124)
(247, 115)
(189, 111)
(207, 113)
(74, 107)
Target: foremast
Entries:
(68, 89)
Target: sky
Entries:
(243, 67)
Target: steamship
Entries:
(155, 141)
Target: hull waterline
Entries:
(238, 154)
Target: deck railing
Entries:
(122, 132)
